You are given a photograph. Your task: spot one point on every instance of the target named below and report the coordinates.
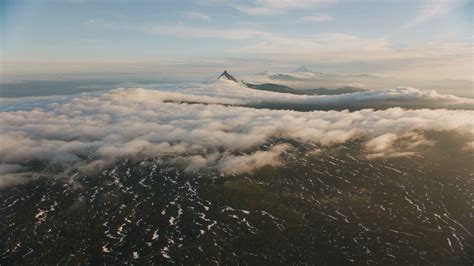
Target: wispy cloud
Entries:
(339, 48)
(208, 32)
(250, 24)
(195, 15)
(311, 19)
(186, 31)
(268, 7)
(432, 9)
(210, 2)
(408, 59)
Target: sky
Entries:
(419, 39)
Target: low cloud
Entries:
(391, 145)
(469, 146)
(9, 175)
(90, 132)
(401, 96)
(252, 162)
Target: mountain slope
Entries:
(285, 89)
(226, 75)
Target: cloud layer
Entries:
(401, 96)
(92, 131)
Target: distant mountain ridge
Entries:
(304, 73)
(285, 89)
(318, 91)
(304, 69)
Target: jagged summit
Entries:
(226, 75)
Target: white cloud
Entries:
(9, 175)
(92, 131)
(206, 32)
(469, 146)
(195, 15)
(431, 9)
(311, 19)
(252, 162)
(315, 152)
(8, 180)
(391, 145)
(268, 7)
(401, 96)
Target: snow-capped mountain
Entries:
(301, 69)
(304, 78)
(306, 71)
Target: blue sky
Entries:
(409, 39)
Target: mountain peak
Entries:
(305, 70)
(302, 69)
(228, 76)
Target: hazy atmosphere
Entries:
(321, 132)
